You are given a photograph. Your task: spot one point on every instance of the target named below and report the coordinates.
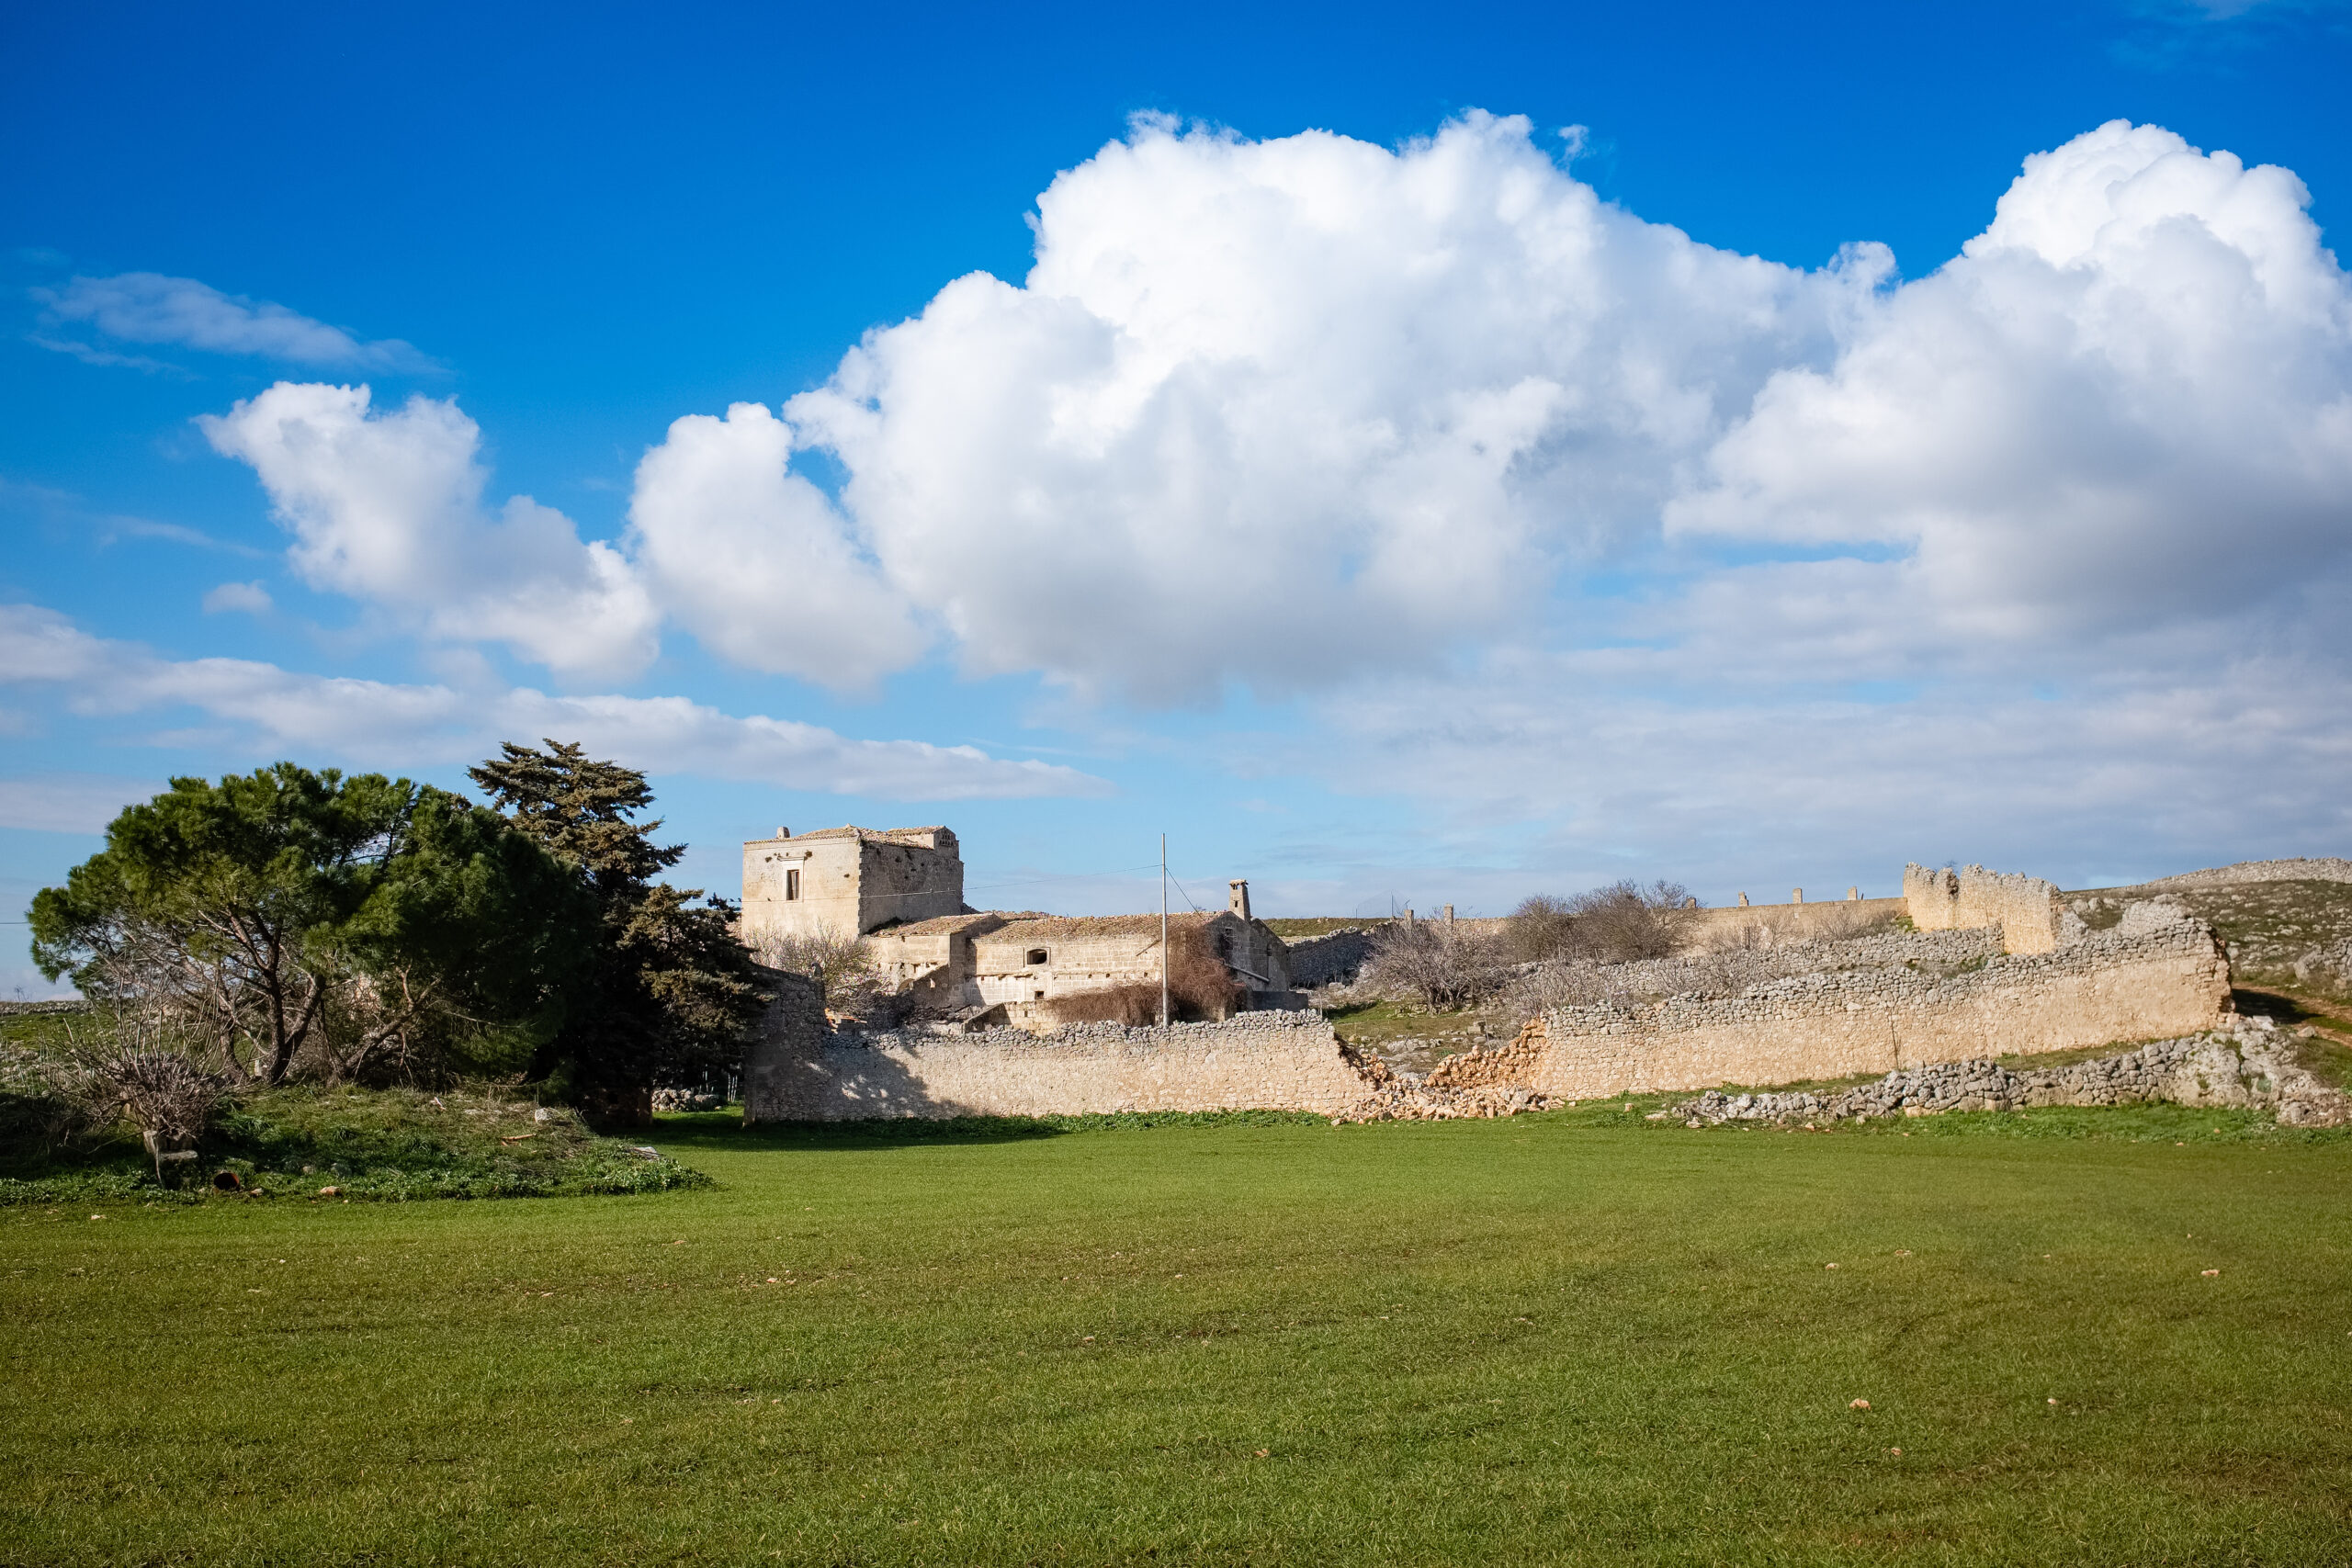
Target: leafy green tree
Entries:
(286, 912)
(671, 991)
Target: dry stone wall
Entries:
(1270, 1061)
(1324, 960)
(2025, 909)
(2167, 980)
(2327, 869)
(2248, 1065)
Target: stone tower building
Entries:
(847, 881)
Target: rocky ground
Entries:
(2285, 923)
(2251, 1065)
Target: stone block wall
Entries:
(1268, 1061)
(1829, 918)
(1321, 960)
(2025, 908)
(2165, 981)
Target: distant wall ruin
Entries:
(1336, 955)
(2150, 983)
(2025, 909)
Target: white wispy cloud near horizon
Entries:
(262, 709)
(69, 802)
(183, 312)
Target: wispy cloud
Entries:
(88, 355)
(264, 709)
(241, 598)
(69, 803)
(64, 509)
(150, 308)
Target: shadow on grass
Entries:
(725, 1129)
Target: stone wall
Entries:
(1324, 960)
(2166, 980)
(2328, 869)
(2249, 1066)
(1271, 1061)
(2025, 908)
(1825, 919)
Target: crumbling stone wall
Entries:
(2250, 1064)
(1266, 1061)
(2025, 908)
(1324, 960)
(2329, 868)
(2155, 981)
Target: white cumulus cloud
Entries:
(388, 507)
(2129, 400)
(1272, 411)
(755, 561)
(148, 307)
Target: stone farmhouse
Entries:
(903, 889)
(848, 881)
(1991, 965)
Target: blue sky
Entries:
(1619, 442)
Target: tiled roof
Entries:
(893, 835)
(1049, 927)
(939, 925)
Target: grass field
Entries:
(1569, 1337)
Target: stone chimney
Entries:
(1237, 898)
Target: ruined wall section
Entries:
(2171, 982)
(1263, 1061)
(2025, 909)
(2167, 980)
(1323, 960)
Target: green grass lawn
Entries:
(1571, 1337)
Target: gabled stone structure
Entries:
(903, 889)
(847, 881)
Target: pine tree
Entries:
(672, 992)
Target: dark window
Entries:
(792, 885)
(1037, 955)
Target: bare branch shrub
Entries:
(1440, 965)
(1626, 921)
(1540, 929)
(167, 1096)
(1135, 1004)
(838, 961)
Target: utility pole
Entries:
(1163, 931)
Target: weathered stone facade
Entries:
(1266, 1061)
(2025, 909)
(847, 881)
(1330, 958)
